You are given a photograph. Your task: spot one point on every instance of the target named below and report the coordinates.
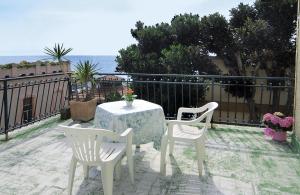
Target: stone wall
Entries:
(32, 68)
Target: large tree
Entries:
(256, 37)
(167, 48)
(249, 42)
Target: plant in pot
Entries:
(84, 109)
(58, 53)
(129, 97)
(277, 125)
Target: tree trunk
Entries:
(241, 67)
(275, 100)
(253, 117)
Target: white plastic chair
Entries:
(187, 131)
(90, 149)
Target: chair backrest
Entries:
(86, 142)
(211, 106)
(208, 110)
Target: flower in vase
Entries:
(129, 96)
(129, 91)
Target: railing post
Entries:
(69, 88)
(6, 119)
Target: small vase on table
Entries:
(129, 97)
(129, 103)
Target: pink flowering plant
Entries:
(278, 121)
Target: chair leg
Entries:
(86, 171)
(200, 157)
(107, 171)
(171, 146)
(130, 166)
(203, 152)
(71, 174)
(118, 170)
(164, 145)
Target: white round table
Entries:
(145, 118)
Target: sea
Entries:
(105, 63)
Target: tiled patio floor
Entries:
(238, 161)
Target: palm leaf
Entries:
(58, 52)
(86, 71)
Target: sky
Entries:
(90, 27)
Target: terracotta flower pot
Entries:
(275, 135)
(279, 136)
(83, 111)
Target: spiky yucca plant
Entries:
(85, 73)
(58, 52)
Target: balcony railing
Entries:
(25, 100)
(242, 100)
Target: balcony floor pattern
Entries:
(238, 161)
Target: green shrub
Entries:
(25, 65)
(114, 96)
(6, 66)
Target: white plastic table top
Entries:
(145, 118)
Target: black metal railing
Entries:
(25, 100)
(242, 100)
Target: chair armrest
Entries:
(179, 122)
(127, 136)
(171, 123)
(126, 132)
(189, 110)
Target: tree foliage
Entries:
(167, 48)
(181, 59)
(256, 37)
(186, 29)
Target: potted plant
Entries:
(129, 97)
(84, 109)
(277, 125)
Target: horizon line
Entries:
(66, 56)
